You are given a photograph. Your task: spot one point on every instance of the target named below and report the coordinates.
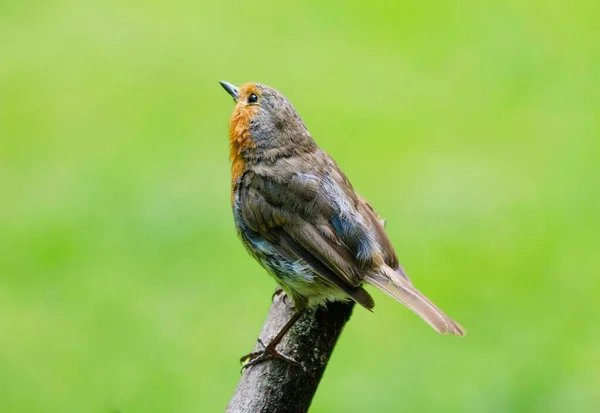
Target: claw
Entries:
(257, 357)
(280, 293)
(269, 351)
(277, 293)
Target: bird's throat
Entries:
(240, 140)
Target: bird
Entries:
(298, 215)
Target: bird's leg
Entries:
(269, 351)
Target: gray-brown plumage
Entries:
(298, 215)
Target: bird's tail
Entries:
(401, 290)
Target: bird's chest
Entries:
(284, 270)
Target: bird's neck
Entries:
(240, 141)
(245, 152)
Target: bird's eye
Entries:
(252, 98)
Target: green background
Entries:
(471, 126)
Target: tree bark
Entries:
(278, 386)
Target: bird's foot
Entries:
(268, 352)
(280, 293)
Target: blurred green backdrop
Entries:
(472, 127)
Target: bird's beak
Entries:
(231, 89)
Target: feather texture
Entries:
(401, 290)
(299, 216)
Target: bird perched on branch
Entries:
(299, 217)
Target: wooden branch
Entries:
(278, 386)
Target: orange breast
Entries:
(239, 140)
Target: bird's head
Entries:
(263, 122)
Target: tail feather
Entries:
(400, 289)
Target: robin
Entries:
(299, 217)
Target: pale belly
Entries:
(296, 278)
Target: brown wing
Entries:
(377, 227)
(372, 219)
(296, 239)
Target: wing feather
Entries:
(297, 239)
